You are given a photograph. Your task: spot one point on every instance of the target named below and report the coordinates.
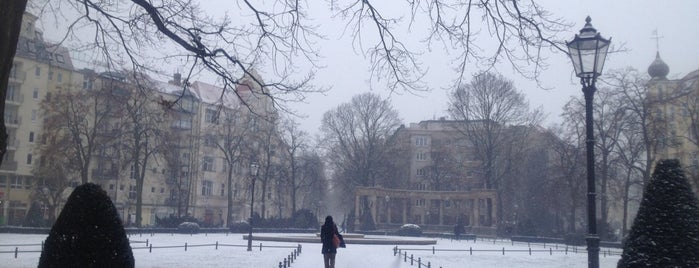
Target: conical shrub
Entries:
(665, 232)
(87, 233)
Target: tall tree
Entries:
(356, 138)
(491, 109)
(230, 128)
(142, 130)
(295, 141)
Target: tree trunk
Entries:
(10, 27)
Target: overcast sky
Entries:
(629, 22)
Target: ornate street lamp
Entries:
(253, 176)
(588, 51)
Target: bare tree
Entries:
(82, 116)
(141, 129)
(356, 137)
(231, 129)
(496, 118)
(296, 142)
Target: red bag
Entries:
(336, 241)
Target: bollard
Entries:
(284, 262)
(419, 262)
(185, 246)
(432, 250)
(150, 248)
(260, 246)
(530, 251)
(429, 265)
(395, 250)
(503, 251)
(280, 264)
(550, 251)
(16, 249)
(470, 250)
(299, 248)
(216, 245)
(405, 256)
(411, 259)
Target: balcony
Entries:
(18, 76)
(12, 121)
(14, 100)
(12, 144)
(8, 165)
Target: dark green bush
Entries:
(239, 227)
(87, 233)
(665, 232)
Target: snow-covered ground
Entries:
(354, 256)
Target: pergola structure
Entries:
(432, 210)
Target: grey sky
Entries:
(629, 22)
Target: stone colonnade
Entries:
(433, 209)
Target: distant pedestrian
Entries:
(328, 232)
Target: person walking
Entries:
(327, 232)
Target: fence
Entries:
(403, 252)
(150, 247)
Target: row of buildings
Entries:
(189, 174)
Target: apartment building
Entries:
(675, 116)
(39, 68)
(188, 172)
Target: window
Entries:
(12, 92)
(421, 156)
(31, 136)
(34, 113)
(29, 159)
(206, 186)
(132, 173)
(152, 189)
(210, 141)
(59, 77)
(420, 202)
(16, 182)
(223, 189)
(132, 192)
(50, 75)
(37, 71)
(420, 172)
(211, 116)
(3, 181)
(111, 187)
(208, 164)
(162, 190)
(420, 141)
(59, 58)
(121, 187)
(35, 93)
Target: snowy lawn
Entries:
(354, 256)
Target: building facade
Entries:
(443, 184)
(675, 116)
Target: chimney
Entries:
(177, 79)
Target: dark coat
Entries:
(326, 237)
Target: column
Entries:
(356, 210)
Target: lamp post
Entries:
(588, 51)
(253, 174)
